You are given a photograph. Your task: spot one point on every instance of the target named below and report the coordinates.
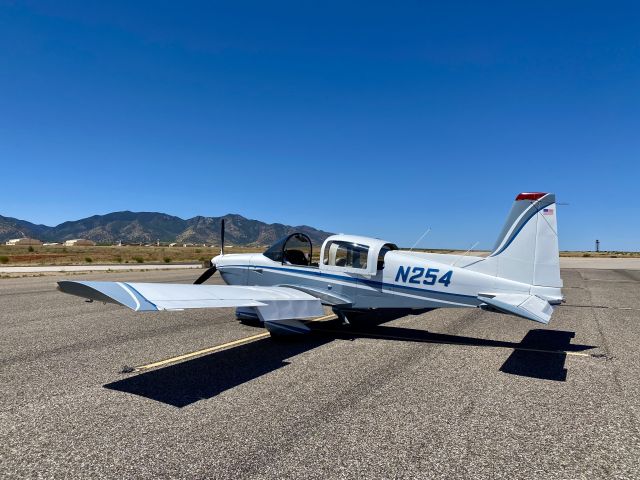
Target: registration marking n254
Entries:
(423, 276)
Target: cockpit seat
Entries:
(295, 257)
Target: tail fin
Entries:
(527, 249)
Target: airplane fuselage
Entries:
(407, 280)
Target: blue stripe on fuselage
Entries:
(371, 283)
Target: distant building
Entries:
(52, 244)
(79, 242)
(24, 241)
(173, 244)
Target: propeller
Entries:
(206, 275)
(222, 237)
(212, 269)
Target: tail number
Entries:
(424, 276)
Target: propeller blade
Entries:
(205, 276)
(222, 237)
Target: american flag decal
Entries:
(547, 211)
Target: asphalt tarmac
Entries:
(442, 394)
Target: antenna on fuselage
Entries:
(420, 239)
(464, 254)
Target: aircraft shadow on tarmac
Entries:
(540, 354)
(204, 377)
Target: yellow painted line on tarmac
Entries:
(325, 317)
(253, 338)
(575, 354)
(197, 353)
(216, 348)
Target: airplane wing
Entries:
(272, 303)
(526, 306)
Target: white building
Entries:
(79, 242)
(24, 241)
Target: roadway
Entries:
(443, 394)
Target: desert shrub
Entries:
(167, 259)
(198, 250)
(4, 259)
(586, 254)
(30, 249)
(118, 259)
(139, 259)
(88, 259)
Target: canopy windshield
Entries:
(274, 252)
(294, 249)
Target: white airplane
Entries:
(356, 274)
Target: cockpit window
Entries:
(294, 249)
(297, 250)
(274, 252)
(345, 254)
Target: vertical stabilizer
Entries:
(527, 248)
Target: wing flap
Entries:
(526, 306)
(272, 303)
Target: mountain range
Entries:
(133, 227)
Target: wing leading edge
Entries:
(272, 303)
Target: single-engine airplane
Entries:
(356, 274)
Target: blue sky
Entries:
(376, 118)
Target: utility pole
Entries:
(597, 245)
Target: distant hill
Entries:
(14, 228)
(150, 226)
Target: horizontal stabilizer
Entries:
(273, 303)
(526, 306)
